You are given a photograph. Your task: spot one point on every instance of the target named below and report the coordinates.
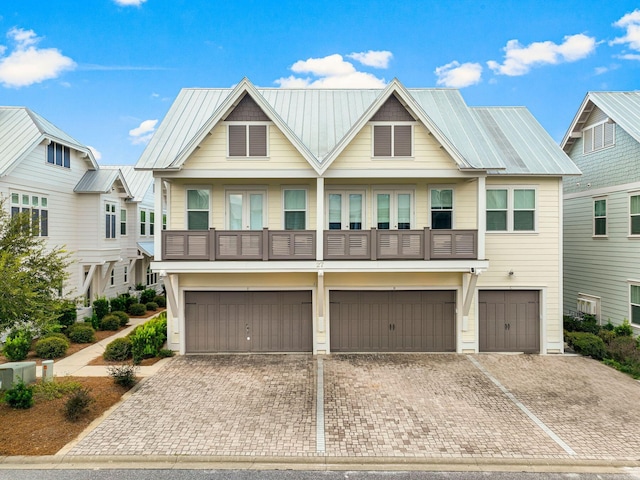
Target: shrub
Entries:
(110, 322)
(20, 396)
(137, 309)
(118, 304)
(16, 347)
(93, 321)
(151, 306)
(82, 333)
(587, 344)
(55, 335)
(624, 329)
(54, 389)
(123, 375)
(147, 339)
(608, 326)
(78, 404)
(100, 307)
(148, 295)
(128, 301)
(118, 350)
(581, 323)
(51, 347)
(165, 353)
(68, 314)
(624, 350)
(606, 335)
(160, 300)
(139, 287)
(122, 316)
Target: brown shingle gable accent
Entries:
(247, 111)
(392, 111)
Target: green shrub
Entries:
(118, 350)
(608, 326)
(633, 370)
(624, 329)
(139, 287)
(54, 389)
(607, 336)
(68, 314)
(581, 323)
(147, 339)
(123, 375)
(82, 333)
(93, 321)
(51, 347)
(148, 295)
(160, 300)
(55, 335)
(624, 350)
(587, 344)
(151, 306)
(78, 404)
(137, 309)
(128, 301)
(16, 347)
(165, 353)
(20, 396)
(110, 322)
(122, 316)
(118, 304)
(100, 307)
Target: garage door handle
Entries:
(392, 326)
(507, 326)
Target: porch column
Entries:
(320, 218)
(157, 207)
(482, 217)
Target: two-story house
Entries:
(379, 220)
(92, 211)
(602, 209)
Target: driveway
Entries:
(418, 406)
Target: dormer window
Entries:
(392, 140)
(58, 155)
(597, 137)
(247, 140)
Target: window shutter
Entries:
(237, 141)
(598, 137)
(608, 134)
(257, 140)
(588, 140)
(382, 141)
(402, 141)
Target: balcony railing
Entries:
(264, 245)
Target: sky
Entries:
(107, 71)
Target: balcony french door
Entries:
(345, 210)
(246, 210)
(394, 210)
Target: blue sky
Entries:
(106, 71)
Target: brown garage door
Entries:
(509, 321)
(248, 322)
(392, 321)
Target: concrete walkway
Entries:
(77, 365)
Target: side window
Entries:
(441, 208)
(295, 209)
(634, 306)
(123, 222)
(511, 210)
(58, 155)
(600, 217)
(497, 206)
(198, 209)
(524, 209)
(634, 215)
(110, 220)
(38, 209)
(143, 222)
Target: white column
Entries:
(482, 217)
(319, 218)
(157, 207)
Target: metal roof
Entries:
(321, 122)
(147, 248)
(138, 181)
(21, 130)
(622, 107)
(101, 181)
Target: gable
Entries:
(392, 111)
(596, 116)
(247, 110)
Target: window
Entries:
(37, 207)
(58, 155)
(634, 295)
(600, 217)
(123, 222)
(110, 220)
(164, 221)
(125, 278)
(246, 210)
(393, 210)
(152, 219)
(295, 209)
(634, 213)
(247, 140)
(152, 277)
(345, 210)
(441, 208)
(198, 209)
(112, 280)
(392, 140)
(511, 210)
(143, 222)
(598, 136)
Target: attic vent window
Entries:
(58, 155)
(247, 140)
(598, 136)
(392, 140)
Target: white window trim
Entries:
(592, 127)
(510, 209)
(345, 192)
(186, 203)
(126, 222)
(306, 204)
(393, 124)
(114, 213)
(393, 207)
(453, 203)
(247, 123)
(21, 206)
(635, 283)
(248, 190)
(593, 217)
(632, 194)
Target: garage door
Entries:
(392, 321)
(248, 322)
(509, 321)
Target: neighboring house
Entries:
(372, 220)
(602, 209)
(92, 211)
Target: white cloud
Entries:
(96, 154)
(27, 64)
(520, 59)
(458, 75)
(373, 58)
(332, 71)
(127, 3)
(631, 22)
(143, 133)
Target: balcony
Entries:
(265, 245)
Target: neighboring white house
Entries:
(94, 212)
(355, 220)
(602, 209)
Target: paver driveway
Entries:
(431, 406)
